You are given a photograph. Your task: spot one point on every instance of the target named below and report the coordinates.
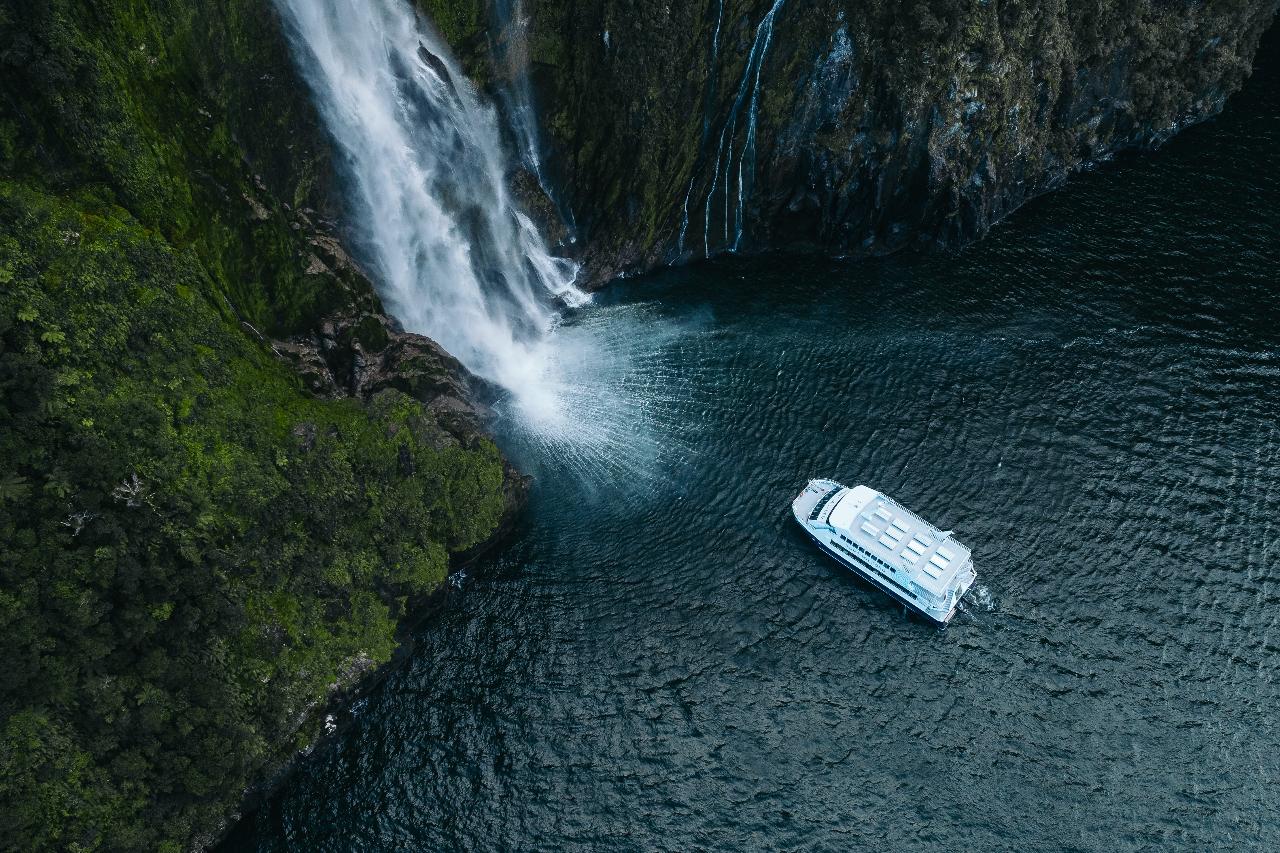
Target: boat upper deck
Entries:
(886, 530)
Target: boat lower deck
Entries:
(869, 574)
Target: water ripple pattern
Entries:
(663, 662)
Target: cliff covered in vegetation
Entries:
(678, 130)
(225, 473)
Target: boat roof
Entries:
(898, 536)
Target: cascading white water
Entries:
(454, 257)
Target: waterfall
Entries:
(748, 89)
(453, 256)
(603, 399)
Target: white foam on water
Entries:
(614, 402)
(979, 600)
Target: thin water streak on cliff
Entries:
(750, 78)
(708, 101)
(749, 147)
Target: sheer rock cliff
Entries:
(676, 130)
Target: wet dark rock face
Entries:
(877, 126)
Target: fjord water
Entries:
(661, 661)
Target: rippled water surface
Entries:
(661, 661)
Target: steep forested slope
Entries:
(193, 548)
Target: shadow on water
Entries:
(662, 662)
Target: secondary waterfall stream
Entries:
(749, 95)
(453, 255)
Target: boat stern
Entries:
(963, 583)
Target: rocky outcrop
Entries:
(360, 355)
(680, 130)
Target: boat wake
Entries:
(979, 600)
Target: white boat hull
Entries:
(870, 578)
(811, 502)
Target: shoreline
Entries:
(365, 681)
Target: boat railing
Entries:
(822, 502)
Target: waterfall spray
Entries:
(454, 257)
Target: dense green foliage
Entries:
(192, 550)
(188, 114)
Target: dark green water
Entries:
(661, 661)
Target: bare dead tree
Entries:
(132, 491)
(77, 520)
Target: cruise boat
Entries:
(888, 545)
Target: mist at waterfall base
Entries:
(1091, 397)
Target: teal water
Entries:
(661, 661)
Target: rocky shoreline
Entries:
(362, 676)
